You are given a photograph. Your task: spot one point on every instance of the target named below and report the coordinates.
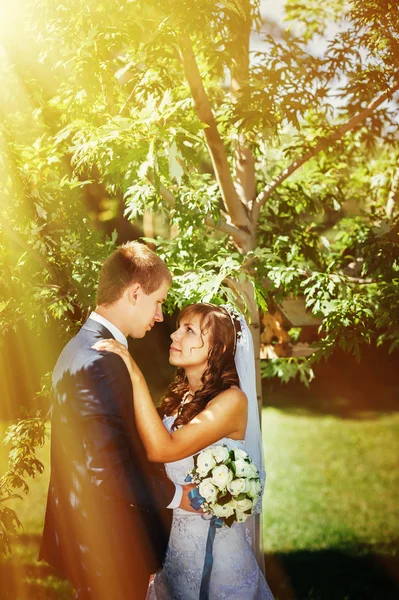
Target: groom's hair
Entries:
(131, 263)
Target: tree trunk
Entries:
(249, 295)
(393, 197)
(239, 193)
(233, 205)
(244, 160)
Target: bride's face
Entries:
(190, 345)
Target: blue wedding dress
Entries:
(235, 573)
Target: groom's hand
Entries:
(185, 501)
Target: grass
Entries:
(331, 483)
(331, 525)
(331, 520)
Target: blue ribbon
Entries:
(214, 524)
(195, 498)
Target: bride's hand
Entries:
(110, 345)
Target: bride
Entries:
(212, 401)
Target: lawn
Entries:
(331, 525)
(331, 518)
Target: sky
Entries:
(274, 10)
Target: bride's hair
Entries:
(220, 373)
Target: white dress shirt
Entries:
(118, 335)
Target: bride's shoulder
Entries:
(233, 396)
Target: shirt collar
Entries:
(118, 335)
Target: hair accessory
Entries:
(235, 317)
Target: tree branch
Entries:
(239, 236)
(127, 102)
(393, 198)
(232, 202)
(321, 145)
(244, 160)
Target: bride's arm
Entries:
(222, 417)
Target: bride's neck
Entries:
(194, 380)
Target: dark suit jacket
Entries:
(105, 519)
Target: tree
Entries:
(25, 437)
(274, 171)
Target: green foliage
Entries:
(49, 254)
(107, 101)
(25, 437)
(287, 369)
(199, 279)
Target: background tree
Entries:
(274, 172)
(25, 437)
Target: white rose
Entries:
(254, 488)
(205, 462)
(240, 454)
(253, 471)
(225, 510)
(243, 505)
(221, 476)
(220, 453)
(238, 486)
(208, 490)
(243, 468)
(241, 516)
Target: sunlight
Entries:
(10, 14)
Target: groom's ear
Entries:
(133, 292)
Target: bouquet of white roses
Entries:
(228, 483)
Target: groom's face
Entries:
(146, 309)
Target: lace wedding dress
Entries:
(235, 572)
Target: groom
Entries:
(105, 526)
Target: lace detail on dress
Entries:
(235, 573)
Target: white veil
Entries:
(245, 365)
